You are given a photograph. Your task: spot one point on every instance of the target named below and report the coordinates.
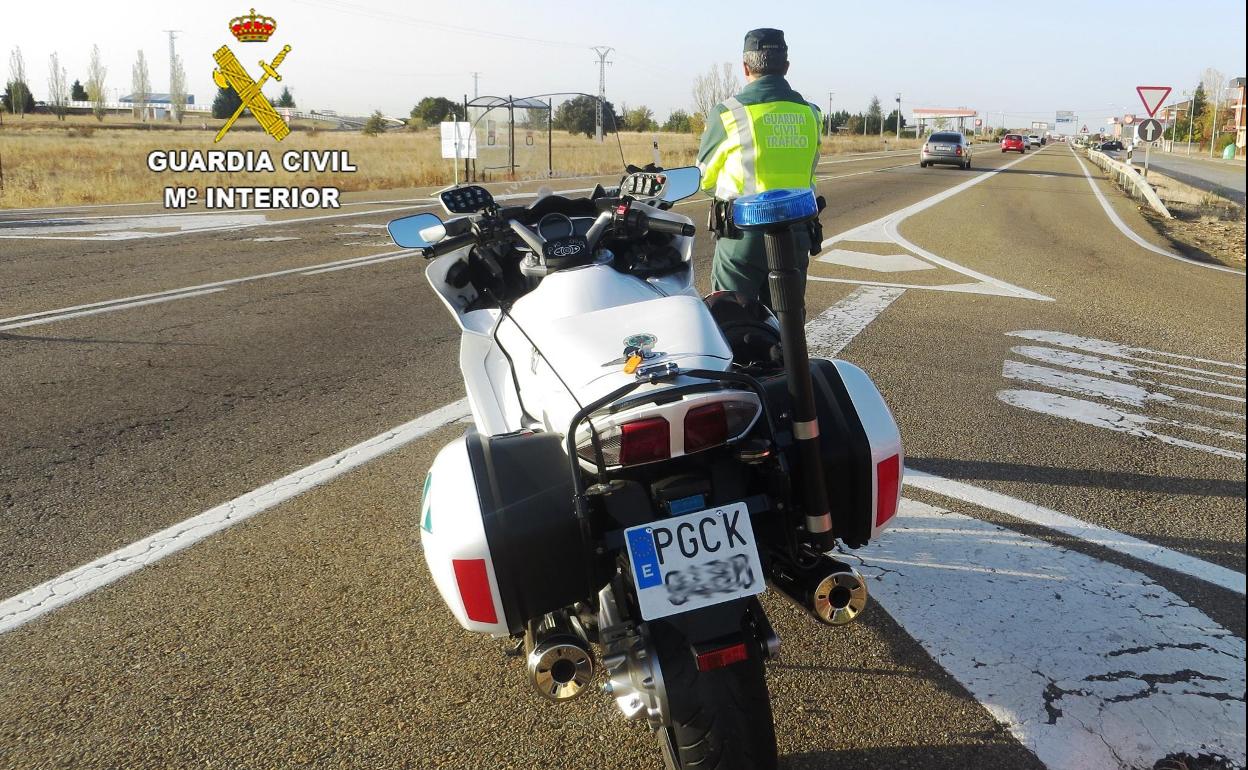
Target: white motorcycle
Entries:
(644, 462)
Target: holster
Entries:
(815, 228)
(719, 220)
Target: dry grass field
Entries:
(50, 163)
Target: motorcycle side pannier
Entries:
(500, 532)
(861, 447)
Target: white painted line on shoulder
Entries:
(367, 263)
(1088, 664)
(123, 302)
(1127, 231)
(1077, 528)
(81, 581)
(109, 309)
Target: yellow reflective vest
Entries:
(764, 138)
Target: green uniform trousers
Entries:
(741, 263)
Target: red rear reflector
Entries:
(474, 589)
(644, 441)
(705, 426)
(725, 656)
(958, 150)
(888, 479)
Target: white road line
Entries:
(1111, 390)
(1127, 231)
(1090, 665)
(81, 581)
(368, 263)
(1069, 525)
(1106, 347)
(110, 308)
(1110, 418)
(1109, 366)
(829, 332)
(67, 312)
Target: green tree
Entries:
(579, 116)
(376, 124)
(874, 115)
(17, 98)
(77, 93)
(436, 109)
(853, 124)
(225, 103)
(638, 119)
(678, 122)
(285, 99)
(890, 123)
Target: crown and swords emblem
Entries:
(230, 73)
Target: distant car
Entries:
(1013, 143)
(1033, 140)
(946, 148)
(1110, 146)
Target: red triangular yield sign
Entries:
(1152, 96)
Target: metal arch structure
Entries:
(924, 115)
(486, 104)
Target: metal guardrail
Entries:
(1130, 180)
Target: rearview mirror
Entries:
(681, 183)
(418, 231)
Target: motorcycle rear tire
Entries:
(720, 719)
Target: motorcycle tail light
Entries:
(644, 441)
(705, 426)
(717, 423)
(640, 435)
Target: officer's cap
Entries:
(765, 39)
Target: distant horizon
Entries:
(391, 57)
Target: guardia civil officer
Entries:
(764, 138)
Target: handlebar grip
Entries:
(671, 228)
(447, 245)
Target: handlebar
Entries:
(447, 245)
(669, 227)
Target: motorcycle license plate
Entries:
(692, 561)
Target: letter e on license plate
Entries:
(692, 561)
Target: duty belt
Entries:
(719, 222)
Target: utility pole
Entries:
(899, 116)
(602, 51)
(829, 115)
(173, 56)
(1191, 102)
(1213, 140)
(475, 77)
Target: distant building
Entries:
(156, 99)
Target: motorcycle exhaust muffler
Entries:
(832, 591)
(559, 662)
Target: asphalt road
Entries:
(1039, 363)
(1226, 178)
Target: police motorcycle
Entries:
(643, 463)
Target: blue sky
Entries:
(1027, 59)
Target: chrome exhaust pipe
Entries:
(832, 591)
(558, 659)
